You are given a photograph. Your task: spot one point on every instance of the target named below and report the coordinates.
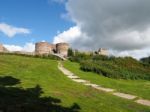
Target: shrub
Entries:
(78, 57)
(145, 60)
(100, 57)
(53, 57)
(117, 69)
(70, 52)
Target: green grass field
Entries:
(140, 88)
(36, 85)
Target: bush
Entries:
(100, 57)
(34, 56)
(112, 67)
(78, 57)
(145, 60)
(70, 52)
(118, 68)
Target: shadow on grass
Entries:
(14, 99)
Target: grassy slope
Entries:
(32, 71)
(140, 88)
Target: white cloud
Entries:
(13, 47)
(68, 36)
(74, 36)
(11, 31)
(122, 26)
(43, 41)
(145, 52)
(119, 24)
(28, 47)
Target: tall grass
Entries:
(113, 67)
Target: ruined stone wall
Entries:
(53, 47)
(1, 48)
(62, 48)
(103, 51)
(43, 48)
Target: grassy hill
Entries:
(140, 88)
(36, 85)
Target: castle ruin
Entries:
(45, 48)
(103, 51)
(2, 48)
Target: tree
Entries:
(70, 52)
(146, 60)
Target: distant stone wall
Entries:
(103, 51)
(1, 48)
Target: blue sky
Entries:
(121, 26)
(41, 17)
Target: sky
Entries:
(29, 21)
(122, 26)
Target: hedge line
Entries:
(111, 70)
(49, 56)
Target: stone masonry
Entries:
(45, 48)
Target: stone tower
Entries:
(1, 48)
(62, 49)
(43, 48)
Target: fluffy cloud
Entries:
(73, 36)
(120, 25)
(134, 53)
(28, 47)
(13, 47)
(11, 31)
(68, 36)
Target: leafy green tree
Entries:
(70, 52)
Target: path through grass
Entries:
(136, 87)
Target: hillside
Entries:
(136, 87)
(36, 85)
(126, 68)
